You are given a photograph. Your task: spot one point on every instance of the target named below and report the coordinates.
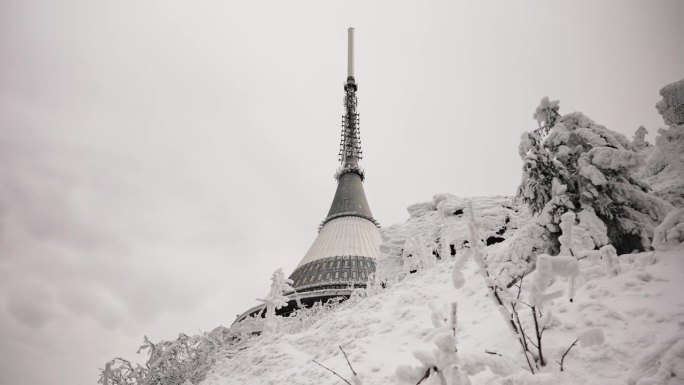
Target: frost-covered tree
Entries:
(539, 167)
(596, 167)
(639, 140)
(275, 300)
(664, 169)
(546, 114)
(539, 171)
(671, 106)
(186, 359)
(119, 371)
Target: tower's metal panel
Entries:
(350, 198)
(342, 256)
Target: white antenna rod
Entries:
(350, 52)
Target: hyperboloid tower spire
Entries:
(345, 250)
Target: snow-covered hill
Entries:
(640, 311)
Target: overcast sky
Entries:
(160, 159)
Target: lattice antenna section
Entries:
(350, 140)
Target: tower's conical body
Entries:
(344, 253)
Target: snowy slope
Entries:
(640, 310)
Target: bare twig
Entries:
(517, 297)
(348, 363)
(538, 333)
(523, 341)
(427, 374)
(493, 353)
(566, 352)
(532, 342)
(331, 371)
(523, 302)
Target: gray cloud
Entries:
(31, 304)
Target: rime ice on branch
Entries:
(275, 300)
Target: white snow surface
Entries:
(630, 325)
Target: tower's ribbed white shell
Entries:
(349, 236)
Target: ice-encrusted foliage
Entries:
(671, 231)
(539, 168)
(119, 371)
(547, 268)
(664, 169)
(671, 106)
(538, 172)
(639, 141)
(440, 366)
(438, 230)
(597, 167)
(275, 300)
(179, 362)
(547, 114)
(511, 237)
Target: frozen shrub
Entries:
(639, 141)
(597, 167)
(549, 267)
(275, 300)
(441, 365)
(186, 359)
(671, 231)
(664, 169)
(671, 106)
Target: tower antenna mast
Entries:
(350, 141)
(350, 52)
